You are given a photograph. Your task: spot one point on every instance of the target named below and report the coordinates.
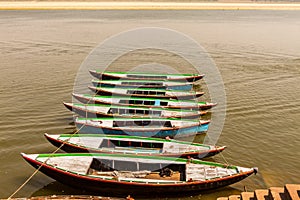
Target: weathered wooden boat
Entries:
(146, 102)
(121, 173)
(145, 76)
(146, 92)
(171, 85)
(106, 110)
(151, 127)
(98, 143)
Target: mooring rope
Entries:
(221, 153)
(43, 163)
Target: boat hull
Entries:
(186, 87)
(160, 133)
(71, 148)
(193, 106)
(187, 96)
(105, 76)
(97, 185)
(95, 114)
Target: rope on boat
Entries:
(43, 163)
(220, 153)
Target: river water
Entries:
(256, 52)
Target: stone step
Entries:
(277, 193)
(293, 191)
(247, 195)
(262, 194)
(288, 192)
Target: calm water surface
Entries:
(257, 53)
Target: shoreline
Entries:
(75, 5)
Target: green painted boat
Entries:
(145, 76)
(136, 174)
(171, 85)
(106, 110)
(98, 143)
(146, 127)
(146, 92)
(146, 102)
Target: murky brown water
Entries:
(257, 53)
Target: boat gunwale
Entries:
(141, 89)
(149, 73)
(142, 98)
(135, 130)
(119, 155)
(132, 106)
(113, 82)
(133, 138)
(142, 119)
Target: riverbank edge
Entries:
(86, 5)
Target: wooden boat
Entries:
(146, 127)
(171, 85)
(146, 102)
(106, 110)
(134, 174)
(146, 92)
(145, 76)
(97, 143)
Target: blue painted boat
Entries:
(106, 110)
(145, 102)
(151, 127)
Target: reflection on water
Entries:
(258, 58)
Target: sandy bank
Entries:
(35, 5)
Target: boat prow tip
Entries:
(221, 148)
(255, 169)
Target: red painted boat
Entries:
(133, 174)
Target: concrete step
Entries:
(262, 194)
(293, 191)
(277, 193)
(247, 195)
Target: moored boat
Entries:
(146, 102)
(123, 173)
(146, 92)
(171, 85)
(145, 76)
(106, 110)
(97, 143)
(151, 127)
